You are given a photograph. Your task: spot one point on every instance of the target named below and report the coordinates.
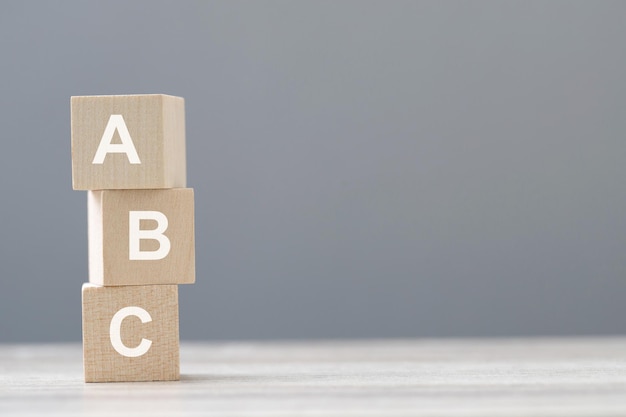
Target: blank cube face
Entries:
(141, 237)
(128, 142)
(130, 333)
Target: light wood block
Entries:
(130, 333)
(153, 125)
(115, 216)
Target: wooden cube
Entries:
(130, 333)
(141, 237)
(128, 142)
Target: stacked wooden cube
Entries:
(129, 153)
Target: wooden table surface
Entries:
(504, 377)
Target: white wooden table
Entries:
(516, 377)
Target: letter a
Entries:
(116, 336)
(116, 122)
(135, 234)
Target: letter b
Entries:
(135, 235)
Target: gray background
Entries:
(362, 169)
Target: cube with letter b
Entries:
(141, 237)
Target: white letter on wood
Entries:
(115, 332)
(135, 234)
(116, 122)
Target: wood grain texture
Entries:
(156, 124)
(108, 223)
(496, 377)
(102, 363)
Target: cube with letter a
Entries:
(141, 237)
(128, 142)
(130, 333)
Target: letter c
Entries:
(115, 332)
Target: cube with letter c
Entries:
(130, 333)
